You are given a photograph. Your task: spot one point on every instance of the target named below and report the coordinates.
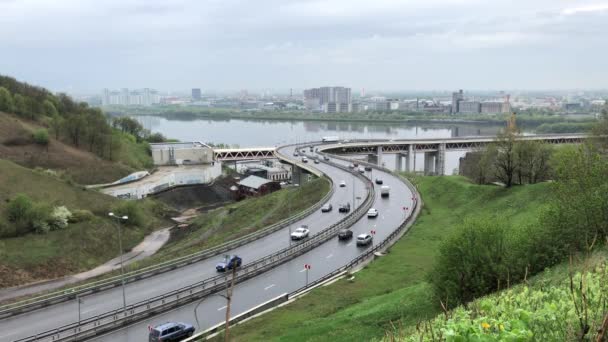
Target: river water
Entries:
(258, 133)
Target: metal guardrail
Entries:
(135, 312)
(336, 273)
(56, 297)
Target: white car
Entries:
(342, 184)
(372, 213)
(300, 233)
(364, 239)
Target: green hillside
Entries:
(80, 246)
(392, 290)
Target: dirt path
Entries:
(150, 245)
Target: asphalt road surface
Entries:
(64, 313)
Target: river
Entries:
(258, 133)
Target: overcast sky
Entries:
(84, 46)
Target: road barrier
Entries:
(56, 297)
(115, 319)
(382, 246)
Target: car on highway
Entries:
(326, 158)
(312, 148)
(364, 239)
(300, 233)
(170, 331)
(345, 234)
(372, 213)
(327, 207)
(342, 184)
(361, 170)
(351, 166)
(295, 154)
(355, 164)
(304, 160)
(316, 160)
(379, 181)
(385, 191)
(229, 263)
(344, 208)
(368, 168)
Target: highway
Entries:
(60, 314)
(289, 276)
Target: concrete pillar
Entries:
(429, 163)
(372, 158)
(411, 158)
(440, 160)
(379, 156)
(398, 162)
(407, 163)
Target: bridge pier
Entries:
(379, 156)
(372, 158)
(429, 163)
(410, 157)
(434, 162)
(398, 162)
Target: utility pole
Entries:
(122, 270)
(229, 291)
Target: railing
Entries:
(336, 273)
(56, 297)
(135, 312)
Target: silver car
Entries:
(364, 239)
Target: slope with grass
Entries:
(392, 291)
(238, 219)
(80, 246)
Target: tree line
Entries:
(72, 122)
(485, 254)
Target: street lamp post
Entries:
(122, 269)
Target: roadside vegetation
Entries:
(50, 228)
(471, 241)
(238, 219)
(393, 290)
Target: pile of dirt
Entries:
(17, 145)
(196, 196)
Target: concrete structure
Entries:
(491, 107)
(255, 186)
(328, 99)
(269, 172)
(187, 153)
(124, 97)
(196, 94)
(434, 150)
(456, 98)
(469, 106)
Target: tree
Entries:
(505, 163)
(6, 100)
(20, 105)
(129, 125)
(41, 137)
(49, 109)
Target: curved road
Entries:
(290, 276)
(64, 313)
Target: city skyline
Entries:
(422, 45)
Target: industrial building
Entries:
(181, 153)
(328, 99)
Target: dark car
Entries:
(326, 208)
(326, 158)
(344, 208)
(229, 263)
(378, 181)
(316, 160)
(368, 168)
(345, 234)
(172, 331)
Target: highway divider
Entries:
(56, 297)
(357, 262)
(118, 318)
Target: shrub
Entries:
(19, 208)
(59, 218)
(81, 216)
(41, 137)
(132, 210)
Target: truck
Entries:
(385, 191)
(331, 139)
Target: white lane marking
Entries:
(329, 256)
(349, 244)
(302, 270)
(222, 308)
(268, 287)
(87, 311)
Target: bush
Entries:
(41, 137)
(81, 216)
(19, 208)
(132, 210)
(59, 218)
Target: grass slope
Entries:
(392, 290)
(80, 246)
(81, 166)
(238, 219)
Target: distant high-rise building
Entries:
(124, 97)
(196, 94)
(328, 99)
(456, 98)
